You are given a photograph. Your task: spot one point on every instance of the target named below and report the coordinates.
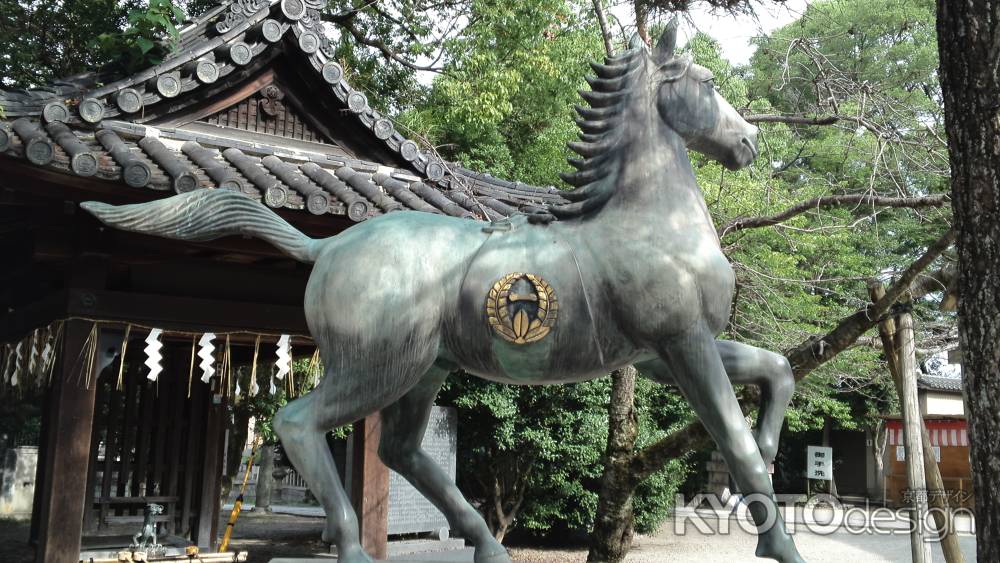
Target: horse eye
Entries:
(710, 82)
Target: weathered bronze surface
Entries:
(397, 302)
(521, 308)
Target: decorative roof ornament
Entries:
(239, 11)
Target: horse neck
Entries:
(655, 182)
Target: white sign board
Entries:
(819, 463)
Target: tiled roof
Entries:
(175, 160)
(87, 127)
(940, 383)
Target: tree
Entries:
(968, 40)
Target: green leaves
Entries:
(504, 104)
(149, 37)
(550, 441)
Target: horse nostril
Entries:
(751, 144)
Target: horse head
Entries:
(690, 105)
(633, 89)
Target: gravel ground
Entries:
(278, 535)
(293, 536)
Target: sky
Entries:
(735, 32)
(732, 32)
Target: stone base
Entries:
(423, 547)
(463, 555)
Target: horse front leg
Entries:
(698, 371)
(747, 365)
(772, 374)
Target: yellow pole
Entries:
(238, 505)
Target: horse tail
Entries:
(207, 214)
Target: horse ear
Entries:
(668, 41)
(636, 42)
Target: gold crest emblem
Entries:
(521, 308)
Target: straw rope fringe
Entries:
(40, 349)
(194, 343)
(121, 360)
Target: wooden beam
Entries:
(215, 104)
(187, 314)
(65, 494)
(370, 487)
(30, 316)
(167, 312)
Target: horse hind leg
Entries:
(403, 426)
(700, 375)
(302, 433)
(302, 424)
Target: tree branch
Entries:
(825, 120)
(792, 119)
(346, 21)
(804, 358)
(822, 202)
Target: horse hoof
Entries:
(788, 555)
(350, 555)
(492, 556)
(358, 556)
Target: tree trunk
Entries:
(504, 488)
(614, 522)
(602, 21)
(969, 47)
(265, 481)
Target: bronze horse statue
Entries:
(632, 272)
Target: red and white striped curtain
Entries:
(944, 433)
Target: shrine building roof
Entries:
(251, 99)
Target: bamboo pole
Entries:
(943, 518)
(238, 505)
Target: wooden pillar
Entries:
(211, 473)
(61, 525)
(41, 469)
(370, 487)
(920, 548)
(900, 354)
(943, 518)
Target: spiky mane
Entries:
(600, 130)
